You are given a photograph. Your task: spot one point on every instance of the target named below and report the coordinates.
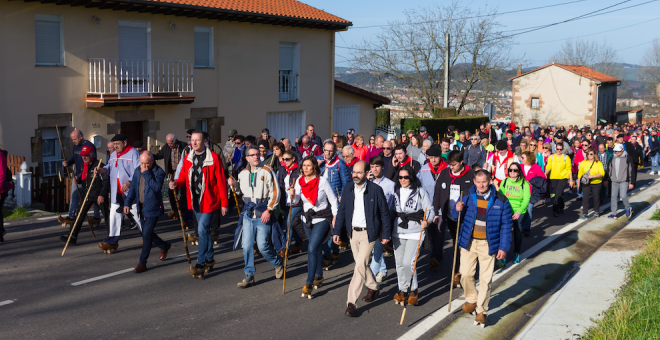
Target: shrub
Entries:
(436, 126)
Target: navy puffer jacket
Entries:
(498, 221)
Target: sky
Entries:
(538, 46)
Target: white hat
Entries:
(618, 147)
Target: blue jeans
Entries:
(517, 233)
(205, 247)
(329, 248)
(527, 225)
(378, 261)
(315, 235)
(75, 200)
(149, 236)
(253, 229)
(294, 211)
(654, 162)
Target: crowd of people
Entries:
(378, 197)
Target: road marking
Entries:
(101, 277)
(46, 218)
(6, 302)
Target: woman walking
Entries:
(278, 152)
(654, 153)
(538, 185)
(5, 186)
(286, 177)
(517, 190)
(411, 202)
(590, 179)
(319, 211)
(415, 148)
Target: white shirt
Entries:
(388, 189)
(359, 218)
(325, 195)
(286, 182)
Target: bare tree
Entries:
(407, 56)
(601, 57)
(651, 62)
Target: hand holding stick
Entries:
(80, 213)
(453, 266)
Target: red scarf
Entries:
(332, 162)
(309, 189)
(355, 159)
(85, 169)
(441, 167)
(126, 149)
(466, 168)
(308, 150)
(288, 170)
(408, 160)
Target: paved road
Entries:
(41, 294)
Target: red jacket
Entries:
(214, 190)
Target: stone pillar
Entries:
(23, 190)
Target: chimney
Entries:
(519, 70)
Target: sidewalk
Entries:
(592, 289)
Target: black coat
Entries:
(101, 185)
(375, 210)
(393, 170)
(442, 189)
(166, 154)
(637, 153)
(281, 175)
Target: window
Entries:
(204, 47)
(535, 103)
(49, 44)
(51, 154)
(202, 125)
(289, 69)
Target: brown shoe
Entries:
(350, 310)
(457, 280)
(469, 307)
(326, 263)
(172, 214)
(400, 297)
(140, 268)
(163, 252)
(371, 295)
(434, 264)
(334, 257)
(412, 299)
(480, 320)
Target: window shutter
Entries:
(133, 43)
(202, 49)
(286, 57)
(48, 42)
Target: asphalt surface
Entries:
(41, 294)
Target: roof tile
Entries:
(577, 69)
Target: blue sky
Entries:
(379, 12)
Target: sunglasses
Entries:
(591, 154)
(387, 148)
(513, 170)
(252, 155)
(404, 177)
(545, 148)
(287, 159)
(560, 149)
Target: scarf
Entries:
(309, 189)
(404, 163)
(307, 150)
(441, 167)
(355, 159)
(119, 154)
(85, 169)
(288, 170)
(332, 162)
(466, 168)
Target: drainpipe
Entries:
(596, 116)
(332, 83)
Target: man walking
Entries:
(313, 137)
(261, 192)
(363, 214)
(171, 154)
(485, 236)
(377, 176)
(622, 177)
(146, 191)
(429, 175)
(206, 190)
(475, 153)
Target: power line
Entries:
(480, 16)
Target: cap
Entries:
(351, 131)
(502, 145)
(233, 132)
(422, 128)
(119, 137)
(618, 147)
(86, 150)
(434, 151)
(138, 144)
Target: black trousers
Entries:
(82, 212)
(3, 197)
(558, 186)
(437, 241)
(451, 226)
(591, 189)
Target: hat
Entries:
(190, 131)
(351, 131)
(263, 143)
(618, 147)
(434, 151)
(422, 128)
(138, 144)
(502, 145)
(86, 150)
(119, 138)
(233, 132)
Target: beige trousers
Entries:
(362, 275)
(477, 251)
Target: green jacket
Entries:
(518, 193)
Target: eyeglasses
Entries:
(325, 150)
(387, 148)
(585, 144)
(545, 148)
(513, 170)
(372, 139)
(404, 177)
(558, 149)
(474, 138)
(591, 154)
(287, 159)
(252, 155)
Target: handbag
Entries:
(585, 177)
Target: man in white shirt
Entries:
(376, 175)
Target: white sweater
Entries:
(325, 195)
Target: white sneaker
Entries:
(379, 277)
(653, 173)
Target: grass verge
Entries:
(656, 215)
(635, 313)
(19, 212)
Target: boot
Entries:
(93, 222)
(215, 238)
(141, 268)
(108, 248)
(197, 271)
(400, 297)
(246, 283)
(480, 320)
(307, 291)
(326, 263)
(208, 266)
(434, 264)
(318, 282)
(72, 242)
(457, 280)
(172, 215)
(469, 307)
(193, 238)
(412, 299)
(279, 271)
(65, 221)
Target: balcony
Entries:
(288, 86)
(135, 82)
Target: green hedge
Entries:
(441, 112)
(383, 117)
(436, 126)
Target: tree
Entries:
(601, 57)
(652, 63)
(407, 57)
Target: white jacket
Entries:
(263, 188)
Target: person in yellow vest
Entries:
(593, 171)
(559, 168)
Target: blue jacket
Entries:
(498, 221)
(375, 210)
(153, 196)
(338, 175)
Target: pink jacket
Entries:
(4, 175)
(534, 171)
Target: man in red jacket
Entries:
(206, 189)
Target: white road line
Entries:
(101, 277)
(6, 302)
(46, 218)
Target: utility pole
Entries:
(447, 54)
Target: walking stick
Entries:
(68, 174)
(288, 238)
(183, 231)
(453, 266)
(413, 273)
(80, 213)
(238, 210)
